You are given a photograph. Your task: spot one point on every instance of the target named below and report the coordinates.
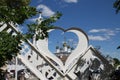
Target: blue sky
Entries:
(96, 17)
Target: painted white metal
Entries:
(3, 27)
(40, 48)
(49, 55)
(16, 64)
(41, 54)
(32, 68)
(64, 72)
(81, 47)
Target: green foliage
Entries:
(116, 62)
(118, 47)
(116, 5)
(43, 27)
(16, 11)
(9, 47)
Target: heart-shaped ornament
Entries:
(82, 45)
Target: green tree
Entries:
(9, 46)
(116, 5)
(116, 62)
(115, 75)
(17, 11)
(118, 47)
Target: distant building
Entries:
(64, 51)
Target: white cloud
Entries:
(70, 40)
(111, 32)
(97, 30)
(71, 1)
(33, 19)
(46, 11)
(98, 38)
(117, 29)
(106, 34)
(106, 31)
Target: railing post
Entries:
(16, 64)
